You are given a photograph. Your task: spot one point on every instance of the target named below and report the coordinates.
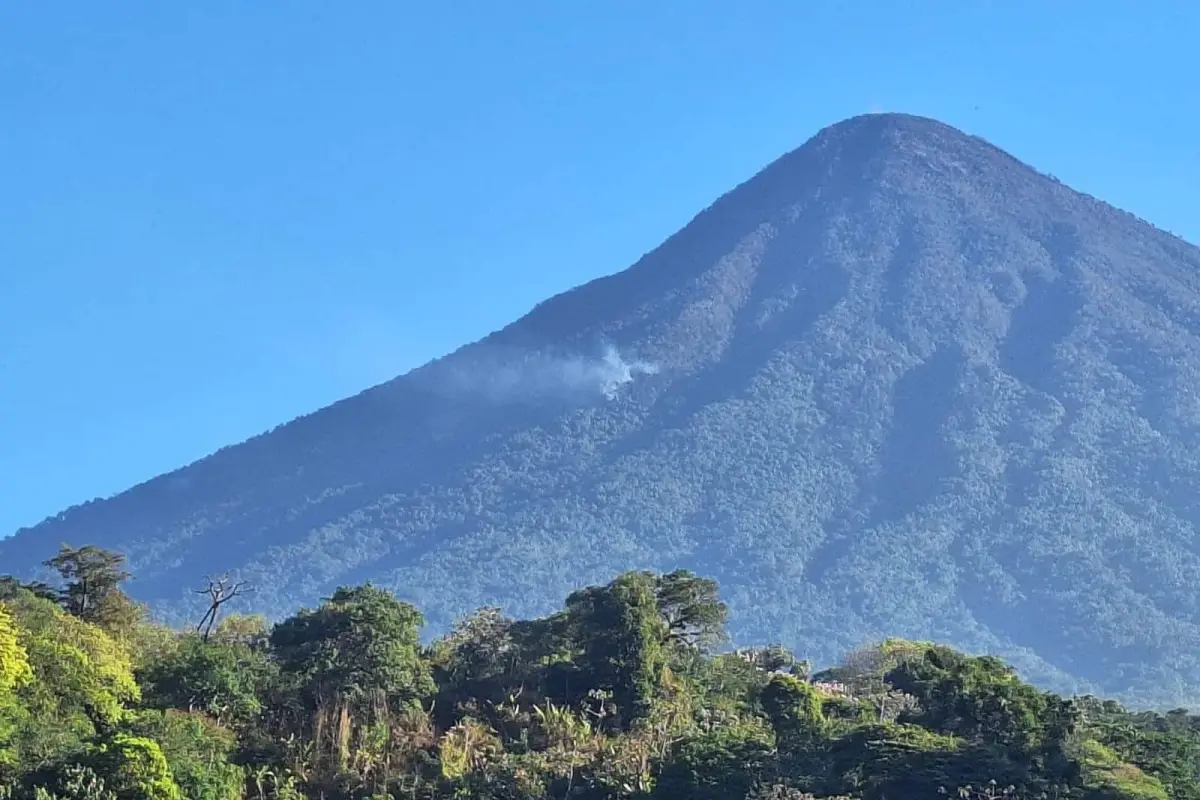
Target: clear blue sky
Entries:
(216, 216)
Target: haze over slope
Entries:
(897, 383)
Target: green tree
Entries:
(250, 630)
(92, 587)
(14, 661)
(359, 642)
(794, 709)
(982, 699)
(222, 680)
(15, 672)
(691, 608)
(622, 638)
(134, 768)
(349, 663)
(475, 666)
(81, 686)
(725, 763)
(198, 752)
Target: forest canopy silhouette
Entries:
(629, 690)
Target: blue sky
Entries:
(217, 216)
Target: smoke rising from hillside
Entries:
(506, 375)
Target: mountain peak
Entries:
(872, 170)
(876, 123)
(877, 136)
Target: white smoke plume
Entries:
(512, 375)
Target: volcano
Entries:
(897, 383)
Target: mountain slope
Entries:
(896, 383)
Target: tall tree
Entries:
(92, 592)
(359, 641)
(350, 662)
(622, 635)
(691, 608)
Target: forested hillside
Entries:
(897, 383)
(622, 693)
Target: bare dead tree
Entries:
(220, 592)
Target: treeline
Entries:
(626, 692)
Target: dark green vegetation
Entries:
(905, 385)
(622, 693)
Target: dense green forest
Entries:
(626, 692)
